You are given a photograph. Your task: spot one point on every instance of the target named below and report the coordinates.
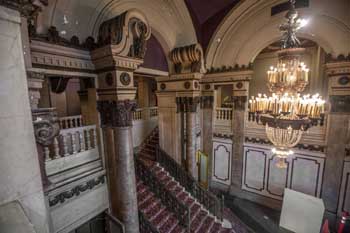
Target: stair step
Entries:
(161, 218)
(155, 210)
(194, 210)
(171, 185)
(178, 229)
(189, 201)
(196, 223)
(216, 228)
(207, 224)
(146, 205)
(169, 225)
(178, 189)
(183, 197)
(141, 197)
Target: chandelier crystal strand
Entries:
(286, 113)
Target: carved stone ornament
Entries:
(128, 33)
(116, 113)
(76, 191)
(125, 78)
(27, 8)
(187, 85)
(109, 79)
(344, 80)
(188, 59)
(46, 125)
(162, 86)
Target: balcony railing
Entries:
(212, 203)
(145, 113)
(72, 141)
(145, 225)
(71, 122)
(115, 225)
(168, 199)
(223, 120)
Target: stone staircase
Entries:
(157, 214)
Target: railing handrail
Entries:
(167, 198)
(116, 221)
(75, 129)
(70, 117)
(221, 108)
(213, 203)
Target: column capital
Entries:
(187, 104)
(116, 113)
(240, 102)
(207, 102)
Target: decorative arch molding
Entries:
(170, 21)
(249, 28)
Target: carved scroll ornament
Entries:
(128, 33)
(188, 59)
(46, 125)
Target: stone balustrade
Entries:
(223, 120)
(145, 113)
(71, 122)
(72, 141)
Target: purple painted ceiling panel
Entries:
(155, 57)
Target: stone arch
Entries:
(249, 28)
(170, 21)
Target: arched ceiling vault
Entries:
(249, 28)
(170, 21)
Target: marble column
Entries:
(116, 118)
(338, 124)
(191, 104)
(207, 103)
(20, 177)
(238, 117)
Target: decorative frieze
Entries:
(315, 148)
(76, 191)
(236, 67)
(340, 58)
(188, 59)
(116, 113)
(222, 135)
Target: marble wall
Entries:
(19, 167)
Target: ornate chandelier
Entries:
(287, 114)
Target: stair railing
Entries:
(145, 225)
(211, 202)
(115, 225)
(181, 211)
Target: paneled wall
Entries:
(222, 159)
(344, 198)
(304, 172)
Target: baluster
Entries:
(80, 120)
(82, 140)
(74, 145)
(47, 153)
(56, 148)
(88, 139)
(65, 145)
(94, 137)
